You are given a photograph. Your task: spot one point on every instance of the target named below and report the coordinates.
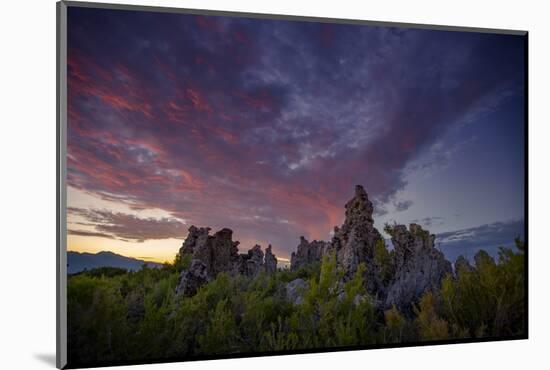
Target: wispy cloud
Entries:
(438, 156)
(129, 227)
(403, 205)
(89, 233)
(489, 237)
(429, 221)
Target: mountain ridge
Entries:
(80, 261)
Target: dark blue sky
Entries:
(265, 126)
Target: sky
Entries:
(266, 126)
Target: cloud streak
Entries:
(403, 205)
(489, 237)
(89, 233)
(128, 227)
(429, 221)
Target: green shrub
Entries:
(116, 315)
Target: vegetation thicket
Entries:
(114, 315)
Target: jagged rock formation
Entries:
(212, 254)
(355, 241)
(419, 266)
(398, 278)
(415, 265)
(192, 278)
(255, 260)
(251, 263)
(270, 261)
(307, 253)
(196, 236)
(217, 251)
(224, 252)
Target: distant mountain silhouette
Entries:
(77, 262)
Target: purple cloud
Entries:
(263, 126)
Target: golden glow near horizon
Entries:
(161, 250)
(156, 250)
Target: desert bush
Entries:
(115, 315)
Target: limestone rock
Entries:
(255, 260)
(196, 236)
(307, 253)
(270, 261)
(192, 278)
(295, 290)
(217, 252)
(223, 251)
(419, 266)
(240, 265)
(251, 263)
(354, 242)
(398, 278)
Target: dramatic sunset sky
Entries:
(265, 127)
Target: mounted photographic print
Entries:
(234, 185)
